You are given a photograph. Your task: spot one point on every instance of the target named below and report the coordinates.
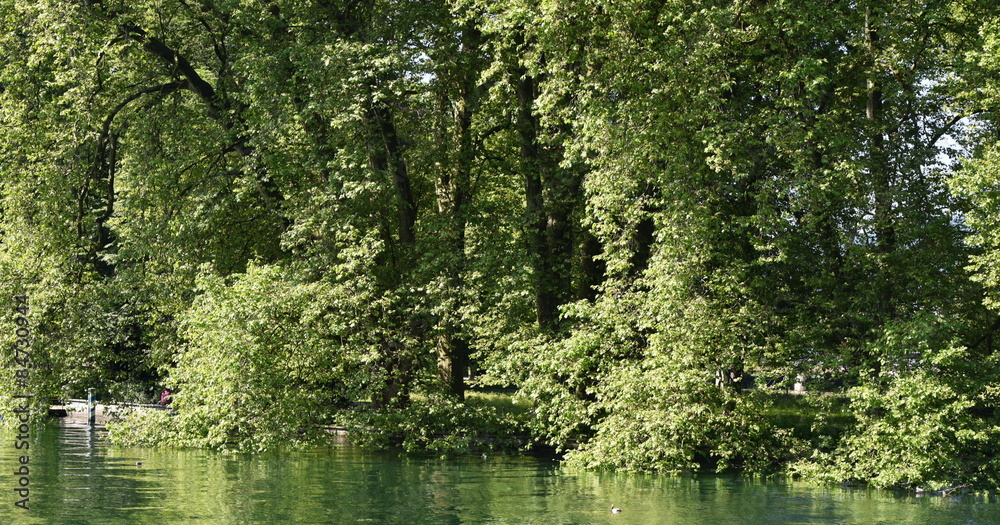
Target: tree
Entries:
(646, 217)
(776, 196)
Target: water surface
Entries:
(77, 478)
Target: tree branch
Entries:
(162, 88)
(943, 130)
(198, 85)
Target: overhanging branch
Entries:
(194, 81)
(197, 84)
(162, 88)
(944, 129)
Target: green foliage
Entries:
(644, 216)
(682, 424)
(980, 183)
(931, 424)
(440, 426)
(143, 429)
(259, 371)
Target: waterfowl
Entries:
(615, 510)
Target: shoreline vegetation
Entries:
(812, 421)
(639, 222)
(790, 411)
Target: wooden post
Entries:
(90, 406)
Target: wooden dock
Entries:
(76, 410)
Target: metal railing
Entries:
(155, 406)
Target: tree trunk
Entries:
(453, 200)
(592, 269)
(881, 177)
(534, 210)
(386, 156)
(551, 196)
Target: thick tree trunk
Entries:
(642, 244)
(397, 369)
(453, 363)
(592, 269)
(534, 210)
(453, 350)
(386, 156)
(453, 199)
(551, 195)
(880, 172)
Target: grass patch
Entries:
(819, 419)
(502, 401)
(443, 426)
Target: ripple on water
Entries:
(77, 478)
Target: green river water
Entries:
(75, 478)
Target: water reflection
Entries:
(76, 478)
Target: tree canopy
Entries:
(646, 220)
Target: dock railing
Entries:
(98, 413)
